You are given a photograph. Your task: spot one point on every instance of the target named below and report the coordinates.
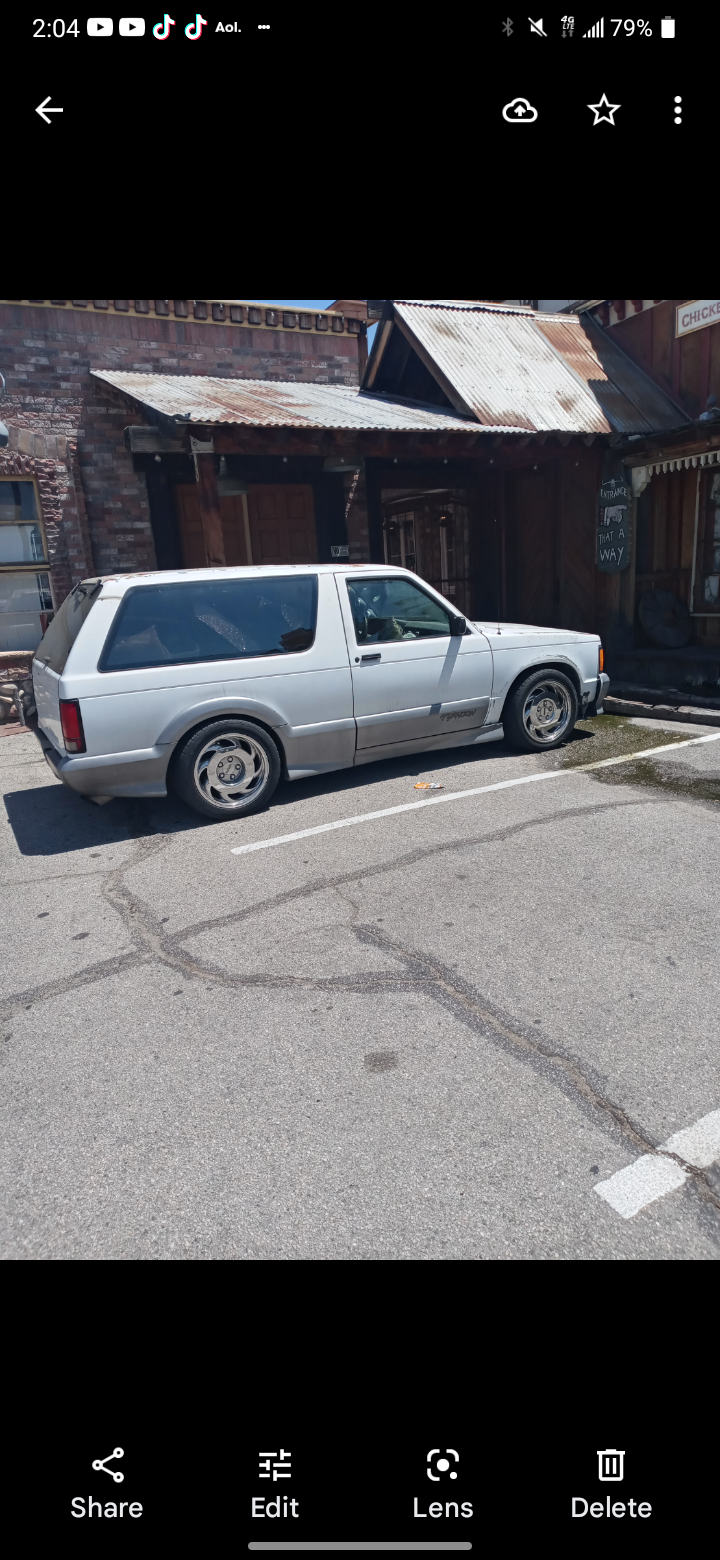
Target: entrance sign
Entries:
(613, 532)
(696, 315)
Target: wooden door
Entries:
(192, 540)
(531, 545)
(282, 524)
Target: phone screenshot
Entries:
(360, 726)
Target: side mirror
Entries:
(458, 626)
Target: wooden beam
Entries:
(210, 511)
(142, 440)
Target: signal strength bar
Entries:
(598, 31)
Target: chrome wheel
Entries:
(231, 768)
(547, 712)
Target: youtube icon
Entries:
(132, 26)
(99, 26)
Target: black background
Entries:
(359, 1380)
(320, 89)
(361, 143)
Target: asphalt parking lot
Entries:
(428, 1035)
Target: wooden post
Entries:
(210, 511)
(246, 525)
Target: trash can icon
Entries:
(610, 1466)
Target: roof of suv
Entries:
(280, 570)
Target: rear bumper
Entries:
(595, 706)
(112, 774)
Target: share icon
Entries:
(99, 1465)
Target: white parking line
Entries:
(460, 796)
(653, 1176)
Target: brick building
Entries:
(498, 450)
(479, 451)
(75, 499)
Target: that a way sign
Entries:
(613, 532)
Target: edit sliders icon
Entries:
(519, 112)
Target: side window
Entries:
(213, 620)
(395, 608)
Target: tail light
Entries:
(601, 660)
(72, 726)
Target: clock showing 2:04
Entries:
(56, 29)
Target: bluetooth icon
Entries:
(507, 27)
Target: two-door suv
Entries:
(218, 681)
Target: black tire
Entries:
(226, 769)
(542, 711)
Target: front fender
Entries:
(562, 663)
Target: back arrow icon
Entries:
(41, 110)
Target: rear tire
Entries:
(541, 713)
(226, 769)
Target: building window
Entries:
(707, 558)
(25, 594)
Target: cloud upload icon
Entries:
(519, 112)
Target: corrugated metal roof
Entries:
(544, 373)
(262, 403)
(630, 399)
(508, 369)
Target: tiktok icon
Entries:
(194, 29)
(161, 29)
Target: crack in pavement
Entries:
(423, 973)
(421, 853)
(476, 1011)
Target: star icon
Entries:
(609, 110)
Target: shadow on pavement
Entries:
(51, 820)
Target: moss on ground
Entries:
(611, 736)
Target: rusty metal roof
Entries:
(542, 373)
(506, 368)
(263, 403)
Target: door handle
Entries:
(371, 657)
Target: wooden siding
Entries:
(686, 367)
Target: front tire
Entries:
(541, 713)
(226, 769)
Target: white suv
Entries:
(217, 681)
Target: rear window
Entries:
(211, 620)
(59, 638)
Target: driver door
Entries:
(411, 679)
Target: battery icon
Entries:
(667, 27)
